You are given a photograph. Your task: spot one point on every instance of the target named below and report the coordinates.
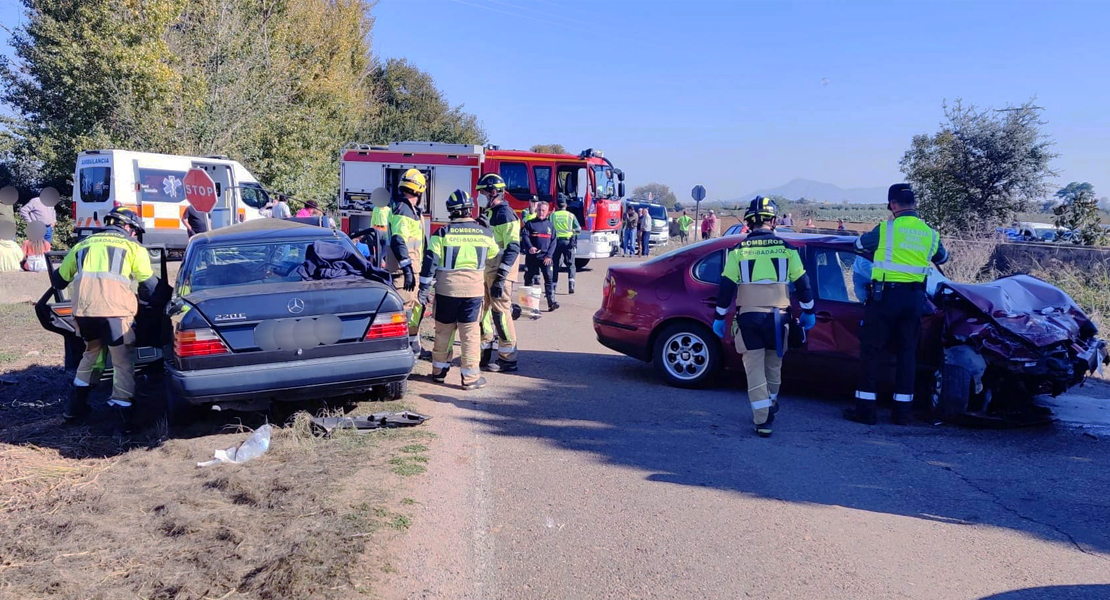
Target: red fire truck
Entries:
(591, 184)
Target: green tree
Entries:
(1078, 212)
(660, 192)
(412, 108)
(549, 149)
(981, 168)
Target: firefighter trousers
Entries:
(895, 317)
(497, 321)
(116, 334)
(415, 311)
(458, 315)
(564, 255)
(533, 267)
(754, 336)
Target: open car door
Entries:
(152, 330)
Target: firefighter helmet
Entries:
(491, 182)
(459, 204)
(413, 181)
(760, 210)
(125, 216)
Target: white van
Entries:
(151, 185)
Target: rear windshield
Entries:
(96, 184)
(213, 266)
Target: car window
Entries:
(219, 266)
(709, 268)
(838, 275)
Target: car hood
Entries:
(1033, 310)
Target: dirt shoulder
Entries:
(86, 513)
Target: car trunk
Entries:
(290, 315)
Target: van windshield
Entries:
(95, 184)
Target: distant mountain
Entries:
(820, 192)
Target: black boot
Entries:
(440, 376)
(487, 355)
(903, 413)
(571, 282)
(764, 430)
(502, 366)
(475, 385)
(125, 415)
(77, 405)
(552, 304)
(862, 412)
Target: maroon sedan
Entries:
(985, 349)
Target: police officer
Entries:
(903, 248)
(538, 244)
(456, 260)
(101, 268)
(533, 209)
(406, 243)
(566, 239)
(497, 317)
(757, 274)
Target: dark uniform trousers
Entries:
(533, 267)
(564, 254)
(895, 315)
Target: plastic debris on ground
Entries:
(380, 420)
(256, 445)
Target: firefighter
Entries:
(456, 260)
(566, 239)
(903, 248)
(101, 268)
(757, 274)
(406, 243)
(538, 243)
(497, 312)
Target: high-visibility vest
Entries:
(102, 267)
(563, 221)
(380, 217)
(763, 267)
(906, 249)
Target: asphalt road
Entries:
(582, 476)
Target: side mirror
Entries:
(620, 176)
(620, 187)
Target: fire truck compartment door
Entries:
(360, 178)
(445, 180)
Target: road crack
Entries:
(998, 501)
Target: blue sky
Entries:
(730, 94)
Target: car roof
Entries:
(261, 230)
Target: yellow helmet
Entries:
(413, 181)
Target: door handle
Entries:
(824, 316)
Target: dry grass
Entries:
(32, 473)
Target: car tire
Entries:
(686, 354)
(580, 263)
(953, 393)
(179, 412)
(397, 389)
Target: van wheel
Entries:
(580, 263)
(686, 354)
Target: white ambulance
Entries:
(151, 185)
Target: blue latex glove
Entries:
(807, 320)
(719, 328)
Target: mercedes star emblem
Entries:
(295, 306)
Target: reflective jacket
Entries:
(506, 232)
(456, 259)
(406, 236)
(380, 217)
(566, 224)
(757, 273)
(101, 268)
(904, 249)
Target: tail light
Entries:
(197, 342)
(73, 209)
(388, 325)
(606, 289)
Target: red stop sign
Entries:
(200, 190)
